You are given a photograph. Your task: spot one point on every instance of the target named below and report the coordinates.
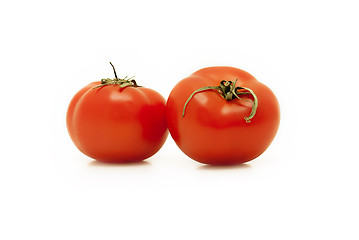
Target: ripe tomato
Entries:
(222, 115)
(117, 121)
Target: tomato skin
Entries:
(117, 125)
(213, 130)
(71, 128)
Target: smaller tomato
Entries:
(117, 121)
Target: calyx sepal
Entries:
(121, 82)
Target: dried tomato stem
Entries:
(228, 91)
(114, 70)
(124, 82)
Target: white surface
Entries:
(305, 186)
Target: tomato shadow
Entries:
(224, 167)
(95, 163)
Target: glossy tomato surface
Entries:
(213, 130)
(116, 125)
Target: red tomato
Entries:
(231, 122)
(117, 121)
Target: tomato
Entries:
(222, 116)
(117, 121)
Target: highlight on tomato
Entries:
(117, 121)
(222, 116)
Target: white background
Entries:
(305, 186)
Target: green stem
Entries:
(228, 91)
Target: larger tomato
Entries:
(222, 115)
(116, 120)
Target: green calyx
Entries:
(121, 82)
(229, 91)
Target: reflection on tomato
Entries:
(222, 115)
